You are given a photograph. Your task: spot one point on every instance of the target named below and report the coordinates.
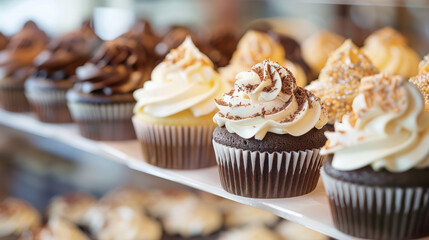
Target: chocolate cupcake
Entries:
(223, 40)
(267, 126)
(101, 102)
(339, 80)
(16, 65)
(16, 217)
(54, 70)
(377, 176)
(174, 110)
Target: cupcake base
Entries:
(176, 147)
(107, 131)
(268, 175)
(13, 99)
(378, 212)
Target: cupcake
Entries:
(267, 125)
(54, 67)
(16, 217)
(126, 223)
(57, 228)
(253, 48)
(377, 172)
(71, 207)
(293, 231)
(16, 64)
(318, 47)
(174, 110)
(389, 51)
(422, 80)
(250, 233)
(101, 101)
(339, 80)
(192, 221)
(223, 39)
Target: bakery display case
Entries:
(224, 119)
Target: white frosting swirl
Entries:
(184, 80)
(267, 99)
(387, 129)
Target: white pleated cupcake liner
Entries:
(49, 105)
(378, 212)
(176, 147)
(268, 175)
(105, 121)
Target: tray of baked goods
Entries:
(345, 154)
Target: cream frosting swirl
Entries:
(388, 50)
(267, 99)
(254, 47)
(185, 80)
(388, 128)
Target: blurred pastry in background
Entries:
(254, 47)
(161, 201)
(149, 37)
(318, 47)
(71, 207)
(16, 217)
(242, 215)
(101, 101)
(223, 39)
(16, 65)
(250, 233)
(192, 220)
(56, 229)
(3, 41)
(422, 80)
(339, 80)
(293, 231)
(54, 73)
(126, 223)
(388, 49)
(129, 196)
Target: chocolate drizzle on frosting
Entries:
(267, 99)
(67, 52)
(117, 67)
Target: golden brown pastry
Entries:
(17, 216)
(56, 229)
(254, 47)
(163, 200)
(318, 47)
(389, 51)
(71, 206)
(293, 231)
(422, 80)
(339, 80)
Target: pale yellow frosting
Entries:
(254, 47)
(389, 51)
(17, 216)
(318, 47)
(388, 128)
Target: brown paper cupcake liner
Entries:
(176, 147)
(13, 99)
(268, 175)
(378, 212)
(108, 122)
(49, 105)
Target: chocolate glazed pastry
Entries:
(46, 88)
(101, 102)
(16, 64)
(400, 213)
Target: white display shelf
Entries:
(311, 210)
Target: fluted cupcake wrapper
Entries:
(268, 175)
(13, 99)
(108, 122)
(377, 212)
(176, 147)
(49, 105)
